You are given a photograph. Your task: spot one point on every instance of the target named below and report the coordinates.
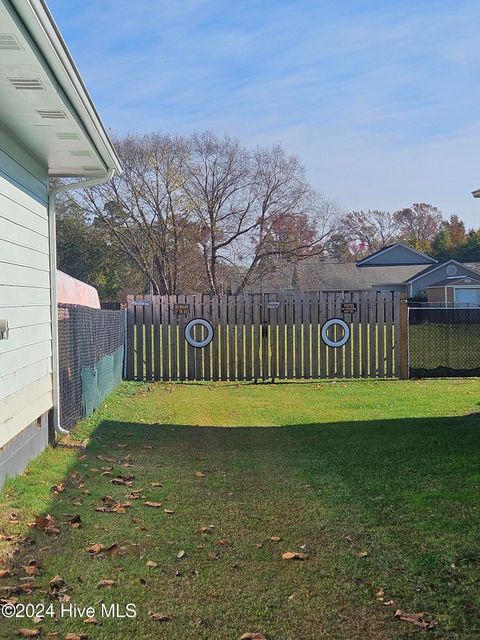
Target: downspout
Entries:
(52, 194)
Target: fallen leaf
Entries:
(75, 522)
(43, 522)
(275, 539)
(207, 529)
(156, 484)
(388, 603)
(31, 570)
(169, 511)
(5, 573)
(415, 618)
(105, 584)
(76, 636)
(200, 474)
(293, 555)
(107, 459)
(152, 504)
(58, 488)
(159, 617)
(53, 635)
(122, 446)
(93, 621)
(222, 543)
(254, 636)
(362, 554)
(151, 563)
(96, 548)
(29, 633)
(180, 554)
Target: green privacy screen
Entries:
(91, 344)
(444, 342)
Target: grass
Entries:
(387, 468)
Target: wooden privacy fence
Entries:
(267, 336)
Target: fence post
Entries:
(403, 337)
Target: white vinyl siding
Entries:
(26, 357)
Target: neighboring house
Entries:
(458, 291)
(396, 267)
(48, 127)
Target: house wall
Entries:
(436, 275)
(26, 356)
(436, 294)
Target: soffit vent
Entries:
(80, 153)
(8, 42)
(52, 115)
(26, 84)
(67, 135)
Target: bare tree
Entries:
(218, 186)
(292, 221)
(370, 230)
(145, 209)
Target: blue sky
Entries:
(380, 99)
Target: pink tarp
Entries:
(73, 291)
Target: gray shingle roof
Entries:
(332, 276)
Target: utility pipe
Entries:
(52, 194)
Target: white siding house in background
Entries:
(48, 127)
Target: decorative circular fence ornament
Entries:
(331, 323)
(198, 322)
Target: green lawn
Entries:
(377, 483)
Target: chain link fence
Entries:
(91, 346)
(444, 342)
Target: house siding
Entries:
(435, 276)
(26, 356)
(397, 255)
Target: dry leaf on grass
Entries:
(122, 446)
(105, 584)
(53, 635)
(75, 522)
(293, 555)
(159, 617)
(96, 548)
(200, 474)
(151, 563)
(180, 554)
(58, 488)
(256, 635)
(362, 554)
(417, 619)
(93, 621)
(156, 484)
(169, 512)
(152, 504)
(31, 568)
(206, 529)
(275, 539)
(5, 573)
(29, 633)
(76, 636)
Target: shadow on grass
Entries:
(403, 491)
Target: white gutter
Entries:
(83, 184)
